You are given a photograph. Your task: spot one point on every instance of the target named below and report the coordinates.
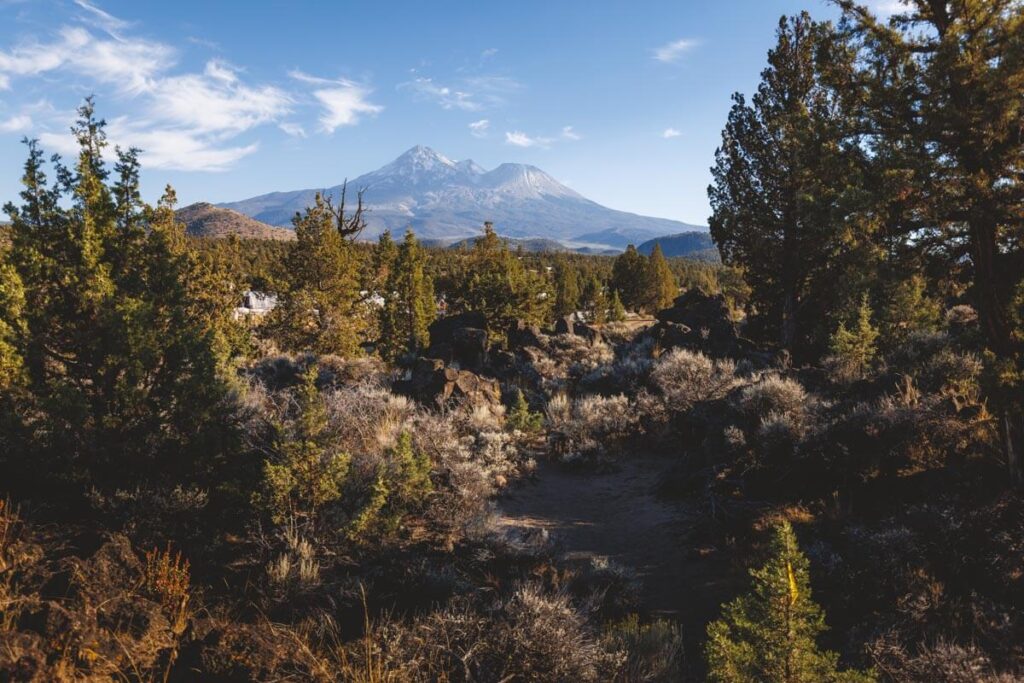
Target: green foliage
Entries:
(119, 330)
(320, 308)
(408, 302)
(908, 308)
(856, 347)
(769, 634)
(616, 311)
(305, 471)
(659, 284)
(494, 281)
(786, 186)
(521, 418)
(628, 278)
(595, 301)
(567, 289)
(400, 487)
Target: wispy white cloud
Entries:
(186, 121)
(447, 97)
(518, 138)
(673, 52)
(488, 53)
(16, 123)
(294, 129)
(343, 101)
(569, 134)
(129, 64)
(671, 133)
(478, 129)
(101, 19)
(216, 101)
(473, 93)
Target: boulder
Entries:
(460, 340)
(565, 325)
(434, 383)
(523, 334)
(696, 321)
(591, 334)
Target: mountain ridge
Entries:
(444, 199)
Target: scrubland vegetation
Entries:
(310, 494)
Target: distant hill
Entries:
(450, 200)
(206, 220)
(695, 245)
(620, 237)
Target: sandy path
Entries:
(618, 515)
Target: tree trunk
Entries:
(987, 284)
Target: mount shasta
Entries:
(443, 199)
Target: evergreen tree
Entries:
(521, 418)
(616, 311)
(856, 347)
(495, 282)
(409, 306)
(659, 284)
(628, 277)
(320, 310)
(595, 301)
(305, 472)
(940, 93)
(120, 335)
(567, 288)
(769, 634)
(785, 184)
(384, 256)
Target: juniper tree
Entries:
(320, 310)
(659, 283)
(122, 348)
(595, 302)
(305, 471)
(567, 288)
(495, 282)
(409, 306)
(770, 634)
(939, 96)
(785, 184)
(855, 346)
(628, 277)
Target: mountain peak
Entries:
(442, 198)
(423, 157)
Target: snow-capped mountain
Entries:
(445, 199)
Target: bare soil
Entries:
(618, 514)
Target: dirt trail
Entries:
(618, 515)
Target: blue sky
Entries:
(623, 101)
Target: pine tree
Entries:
(786, 183)
(521, 418)
(320, 310)
(567, 289)
(628, 277)
(595, 302)
(659, 284)
(409, 306)
(769, 634)
(856, 347)
(616, 311)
